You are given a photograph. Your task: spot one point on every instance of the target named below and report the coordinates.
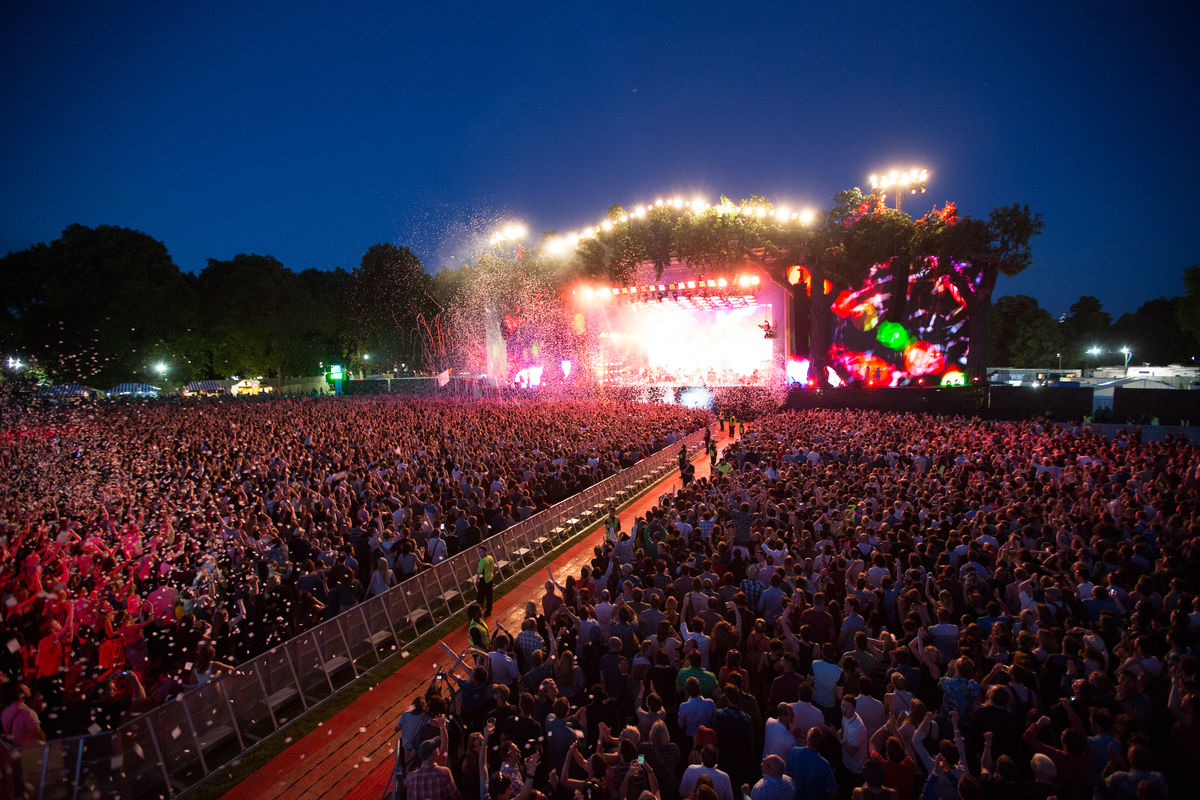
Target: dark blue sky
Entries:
(310, 131)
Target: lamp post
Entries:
(1094, 351)
(913, 180)
(161, 369)
(1128, 353)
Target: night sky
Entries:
(310, 131)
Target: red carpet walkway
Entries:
(351, 755)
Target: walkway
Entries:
(351, 755)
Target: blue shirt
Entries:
(811, 774)
(769, 788)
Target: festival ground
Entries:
(351, 754)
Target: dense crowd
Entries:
(146, 548)
(854, 604)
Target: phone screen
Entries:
(641, 759)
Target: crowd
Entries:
(147, 548)
(854, 605)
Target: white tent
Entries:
(249, 386)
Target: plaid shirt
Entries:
(753, 591)
(431, 782)
(529, 641)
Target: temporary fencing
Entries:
(174, 746)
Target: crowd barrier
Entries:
(170, 748)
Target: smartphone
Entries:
(641, 760)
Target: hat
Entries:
(427, 749)
(705, 736)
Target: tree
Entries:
(98, 305)
(1023, 334)
(329, 324)
(1189, 304)
(391, 292)
(1087, 325)
(257, 318)
(973, 254)
(1155, 334)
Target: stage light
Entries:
(807, 216)
(754, 280)
(607, 225)
(797, 370)
(913, 180)
(722, 283)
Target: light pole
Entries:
(913, 180)
(1128, 353)
(161, 369)
(1094, 352)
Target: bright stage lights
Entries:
(912, 180)
(512, 232)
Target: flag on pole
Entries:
(443, 378)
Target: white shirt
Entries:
(854, 735)
(702, 642)
(777, 739)
(720, 781)
(604, 616)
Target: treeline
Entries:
(1165, 330)
(105, 305)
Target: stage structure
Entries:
(875, 346)
(739, 328)
(749, 326)
(682, 329)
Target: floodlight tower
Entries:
(912, 180)
(512, 233)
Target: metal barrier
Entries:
(170, 748)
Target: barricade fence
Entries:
(168, 749)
